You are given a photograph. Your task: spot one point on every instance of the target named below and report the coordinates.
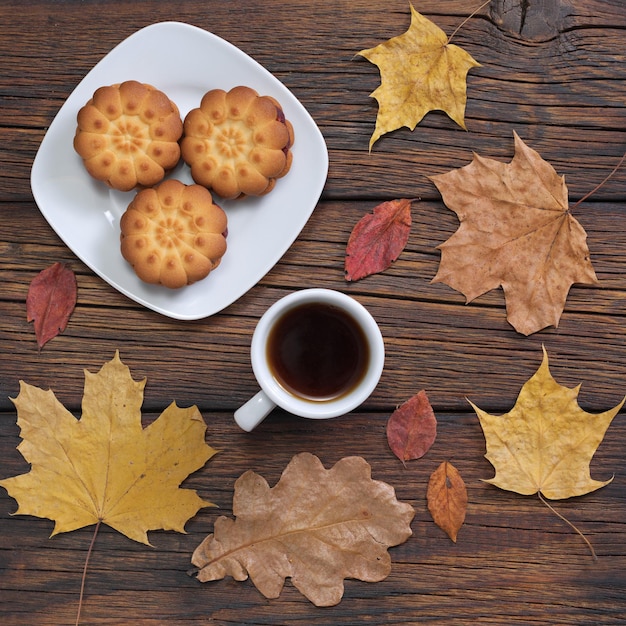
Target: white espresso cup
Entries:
(316, 353)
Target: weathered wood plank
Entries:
(476, 338)
(520, 548)
(546, 91)
(551, 70)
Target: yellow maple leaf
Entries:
(106, 467)
(420, 72)
(546, 442)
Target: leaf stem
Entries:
(467, 19)
(593, 552)
(600, 184)
(82, 582)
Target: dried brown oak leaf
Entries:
(106, 467)
(447, 499)
(420, 71)
(316, 526)
(412, 428)
(50, 301)
(516, 231)
(378, 239)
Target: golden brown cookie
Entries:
(173, 234)
(128, 134)
(237, 143)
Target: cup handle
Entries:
(254, 411)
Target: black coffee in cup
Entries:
(317, 351)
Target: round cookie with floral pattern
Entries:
(173, 234)
(237, 143)
(127, 135)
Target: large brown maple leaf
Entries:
(516, 231)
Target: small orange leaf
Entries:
(412, 428)
(447, 499)
(50, 301)
(378, 239)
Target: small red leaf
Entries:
(447, 499)
(50, 301)
(412, 428)
(378, 239)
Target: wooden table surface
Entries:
(553, 71)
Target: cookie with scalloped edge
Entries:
(173, 234)
(128, 135)
(237, 143)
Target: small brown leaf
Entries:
(50, 301)
(378, 239)
(447, 499)
(316, 526)
(412, 428)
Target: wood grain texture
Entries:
(551, 70)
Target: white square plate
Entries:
(185, 62)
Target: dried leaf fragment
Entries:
(106, 467)
(315, 525)
(377, 239)
(447, 499)
(50, 301)
(546, 442)
(420, 72)
(412, 428)
(516, 231)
